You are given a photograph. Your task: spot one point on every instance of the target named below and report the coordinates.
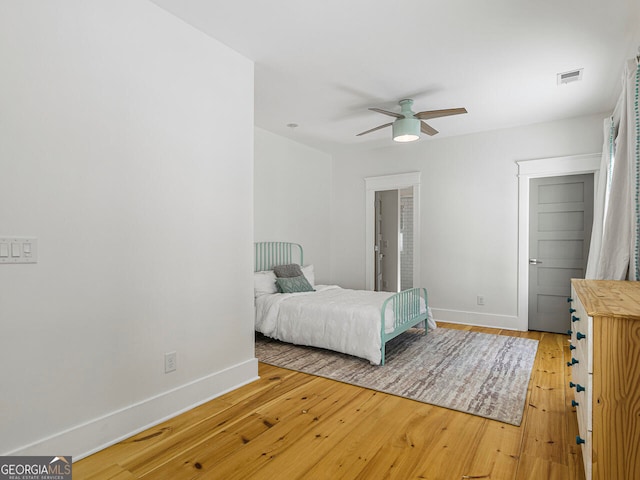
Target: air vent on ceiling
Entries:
(569, 77)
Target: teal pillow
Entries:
(294, 284)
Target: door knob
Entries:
(534, 261)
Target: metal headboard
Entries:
(270, 254)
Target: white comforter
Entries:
(335, 318)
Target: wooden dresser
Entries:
(605, 349)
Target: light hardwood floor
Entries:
(290, 425)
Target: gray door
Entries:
(387, 233)
(560, 219)
(378, 243)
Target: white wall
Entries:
(292, 189)
(126, 149)
(469, 212)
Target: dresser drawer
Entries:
(587, 449)
(581, 334)
(584, 407)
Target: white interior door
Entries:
(560, 220)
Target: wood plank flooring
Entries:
(290, 425)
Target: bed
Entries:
(355, 322)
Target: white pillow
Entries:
(264, 283)
(309, 274)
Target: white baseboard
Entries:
(82, 440)
(507, 322)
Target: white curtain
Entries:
(615, 240)
(601, 198)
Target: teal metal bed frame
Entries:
(405, 305)
(270, 254)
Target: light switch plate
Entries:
(18, 250)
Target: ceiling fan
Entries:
(408, 125)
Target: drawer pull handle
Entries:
(579, 388)
(574, 403)
(572, 347)
(572, 362)
(580, 336)
(579, 440)
(569, 299)
(572, 310)
(569, 332)
(574, 318)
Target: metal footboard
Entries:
(405, 306)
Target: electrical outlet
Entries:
(480, 299)
(170, 362)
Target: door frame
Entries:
(544, 167)
(390, 182)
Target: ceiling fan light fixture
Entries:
(406, 129)
(408, 125)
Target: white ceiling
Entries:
(322, 64)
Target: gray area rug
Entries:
(477, 373)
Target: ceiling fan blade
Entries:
(387, 112)
(428, 129)
(439, 113)
(374, 129)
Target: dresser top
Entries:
(609, 298)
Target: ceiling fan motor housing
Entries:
(406, 129)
